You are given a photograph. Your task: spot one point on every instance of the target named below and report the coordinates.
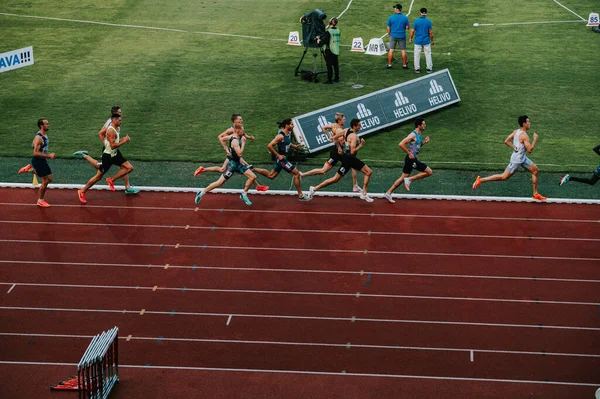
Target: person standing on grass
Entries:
(397, 24)
(238, 124)
(337, 152)
(237, 143)
(39, 161)
(279, 147)
(129, 189)
(331, 39)
(422, 34)
(411, 145)
(110, 156)
(350, 161)
(591, 181)
(518, 141)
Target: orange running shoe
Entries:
(25, 169)
(477, 182)
(198, 171)
(43, 204)
(111, 184)
(539, 197)
(81, 196)
(262, 188)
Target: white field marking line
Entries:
(302, 372)
(138, 26)
(369, 232)
(273, 270)
(11, 288)
(305, 293)
(530, 23)
(297, 317)
(316, 213)
(346, 9)
(321, 344)
(571, 11)
(283, 249)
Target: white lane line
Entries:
(307, 231)
(317, 344)
(306, 293)
(301, 213)
(229, 320)
(82, 21)
(296, 317)
(304, 250)
(275, 270)
(302, 372)
(571, 11)
(11, 288)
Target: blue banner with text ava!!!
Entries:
(380, 109)
(16, 59)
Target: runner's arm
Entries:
(37, 145)
(509, 140)
(273, 143)
(102, 134)
(111, 140)
(404, 142)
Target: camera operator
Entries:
(331, 39)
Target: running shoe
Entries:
(244, 198)
(366, 198)
(43, 204)
(311, 191)
(131, 190)
(407, 184)
(389, 198)
(25, 169)
(477, 182)
(81, 196)
(81, 154)
(198, 197)
(304, 197)
(198, 171)
(111, 184)
(356, 189)
(539, 197)
(564, 179)
(262, 188)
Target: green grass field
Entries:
(178, 87)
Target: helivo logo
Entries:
(438, 93)
(403, 106)
(365, 115)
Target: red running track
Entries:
(331, 298)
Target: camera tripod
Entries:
(311, 75)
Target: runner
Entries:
(39, 162)
(519, 142)
(279, 147)
(591, 181)
(237, 124)
(349, 161)
(111, 156)
(336, 154)
(130, 190)
(237, 143)
(411, 145)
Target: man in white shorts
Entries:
(519, 142)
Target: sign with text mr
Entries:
(380, 109)
(16, 59)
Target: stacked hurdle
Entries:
(98, 369)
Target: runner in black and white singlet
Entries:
(336, 154)
(279, 147)
(39, 161)
(110, 156)
(411, 145)
(518, 141)
(116, 109)
(591, 181)
(350, 161)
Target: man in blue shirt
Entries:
(422, 33)
(397, 24)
